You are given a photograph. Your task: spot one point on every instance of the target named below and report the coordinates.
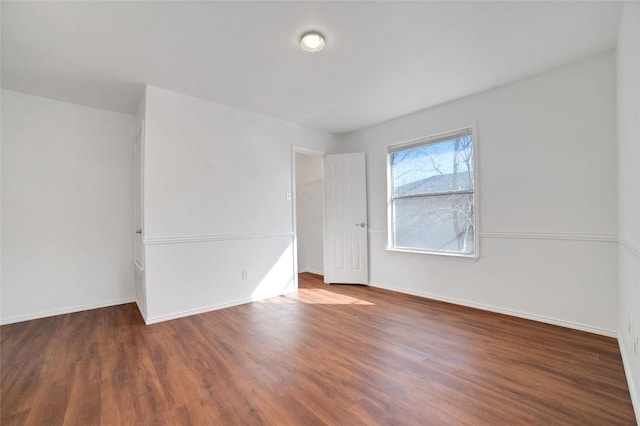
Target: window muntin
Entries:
(432, 195)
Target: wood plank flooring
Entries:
(337, 355)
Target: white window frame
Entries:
(428, 140)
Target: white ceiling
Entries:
(382, 59)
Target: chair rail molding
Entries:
(179, 239)
(551, 236)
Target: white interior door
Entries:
(346, 241)
(137, 201)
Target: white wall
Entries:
(215, 203)
(309, 212)
(547, 199)
(66, 207)
(629, 194)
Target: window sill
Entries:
(445, 255)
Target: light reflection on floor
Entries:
(317, 296)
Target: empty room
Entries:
(320, 213)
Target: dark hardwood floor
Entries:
(340, 355)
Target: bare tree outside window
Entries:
(432, 195)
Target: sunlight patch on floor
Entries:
(317, 296)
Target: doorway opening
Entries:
(309, 198)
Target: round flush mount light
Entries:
(312, 41)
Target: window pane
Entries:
(439, 167)
(437, 223)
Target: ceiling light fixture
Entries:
(312, 42)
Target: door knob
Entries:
(361, 225)
(139, 231)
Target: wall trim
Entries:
(311, 271)
(633, 390)
(203, 310)
(552, 236)
(144, 318)
(631, 247)
(608, 238)
(64, 311)
(179, 239)
(510, 312)
(190, 312)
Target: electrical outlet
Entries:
(244, 274)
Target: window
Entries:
(432, 195)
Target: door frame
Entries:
(138, 197)
(295, 149)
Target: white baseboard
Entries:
(209, 308)
(311, 271)
(70, 310)
(142, 313)
(490, 308)
(633, 389)
(204, 309)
